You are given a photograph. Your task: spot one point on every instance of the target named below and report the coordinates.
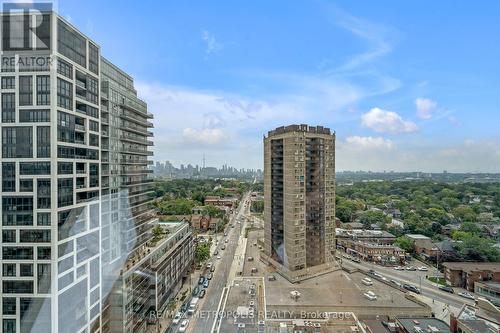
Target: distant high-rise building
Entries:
(299, 200)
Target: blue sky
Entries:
(406, 85)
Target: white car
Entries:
(423, 269)
(218, 257)
(177, 318)
(184, 325)
(399, 268)
(467, 295)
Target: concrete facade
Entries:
(299, 199)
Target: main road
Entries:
(203, 319)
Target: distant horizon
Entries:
(177, 165)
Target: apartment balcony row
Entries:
(136, 151)
(127, 137)
(138, 120)
(136, 129)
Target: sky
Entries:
(405, 85)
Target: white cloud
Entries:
(425, 107)
(369, 142)
(205, 136)
(212, 45)
(387, 122)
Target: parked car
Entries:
(411, 288)
(250, 258)
(370, 295)
(367, 281)
(212, 269)
(206, 283)
(411, 268)
(399, 268)
(202, 293)
(210, 276)
(195, 291)
(447, 289)
(223, 247)
(271, 278)
(216, 252)
(466, 295)
(218, 257)
(423, 269)
(209, 265)
(177, 318)
(356, 260)
(184, 325)
(201, 280)
(184, 307)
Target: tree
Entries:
(202, 252)
(213, 211)
(373, 217)
(257, 206)
(464, 213)
(405, 243)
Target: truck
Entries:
(193, 305)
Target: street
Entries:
(203, 319)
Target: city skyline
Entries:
(400, 95)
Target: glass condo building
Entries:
(75, 192)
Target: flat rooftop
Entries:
(299, 128)
(336, 288)
(473, 266)
(419, 325)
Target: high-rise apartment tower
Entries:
(299, 200)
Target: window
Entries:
(64, 94)
(8, 82)
(25, 90)
(93, 112)
(17, 210)
(65, 168)
(43, 90)
(93, 58)
(65, 68)
(17, 253)
(8, 236)
(32, 116)
(34, 168)
(43, 219)
(34, 236)
(43, 253)
(43, 141)
(25, 269)
(17, 287)
(93, 90)
(43, 277)
(8, 108)
(64, 192)
(94, 140)
(9, 306)
(9, 326)
(17, 142)
(8, 177)
(93, 175)
(26, 185)
(71, 44)
(43, 193)
(94, 126)
(9, 269)
(65, 127)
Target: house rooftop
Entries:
(417, 236)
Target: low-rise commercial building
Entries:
(483, 318)
(370, 236)
(465, 274)
(421, 325)
(488, 290)
(423, 245)
(149, 280)
(221, 202)
(374, 252)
